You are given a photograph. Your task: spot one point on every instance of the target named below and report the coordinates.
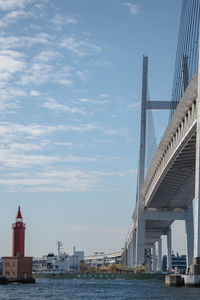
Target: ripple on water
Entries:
(96, 289)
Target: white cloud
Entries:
(69, 144)
(126, 173)
(12, 17)
(11, 53)
(104, 96)
(53, 105)
(12, 4)
(79, 47)
(41, 38)
(134, 105)
(12, 159)
(79, 159)
(133, 8)
(9, 42)
(34, 93)
(65, 82)
(111, 131)
(7, 107)
(83, 75)
(37, 74)
(85, 100)
(40, 72)
(24, 147)
(52, 180)
(35, 130)
(103, 141)
(47, 55)
(59, 21)
(10, 65)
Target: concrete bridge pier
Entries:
(189, 228)
(134, 247)
(154, 258)
(131, 252)
(169, 250)
(140, 237)
(128, 255)
(160, 255)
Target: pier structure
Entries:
(169, 187)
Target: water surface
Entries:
(61, 289)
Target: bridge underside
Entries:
(177, 187)
(173, 186)
(154, 229)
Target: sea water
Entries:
(61, 289)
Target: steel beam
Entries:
(160, 104)
(164, 215)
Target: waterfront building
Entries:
(75, 259)
(178, 263)
(17, 267)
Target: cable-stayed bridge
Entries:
(168, 183)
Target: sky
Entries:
(70, 90)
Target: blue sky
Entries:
(70, 84)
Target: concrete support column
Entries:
(131, 253)
(169, 250)
(154, 258)
(134, 248)
(128, 256)
(189, 228)
(160, 255)
(140, 236)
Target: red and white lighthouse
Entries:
(18, 235)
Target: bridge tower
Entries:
(140, 233)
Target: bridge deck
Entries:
(169, 183)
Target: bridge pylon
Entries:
(140, 233)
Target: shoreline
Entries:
(101, 276)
